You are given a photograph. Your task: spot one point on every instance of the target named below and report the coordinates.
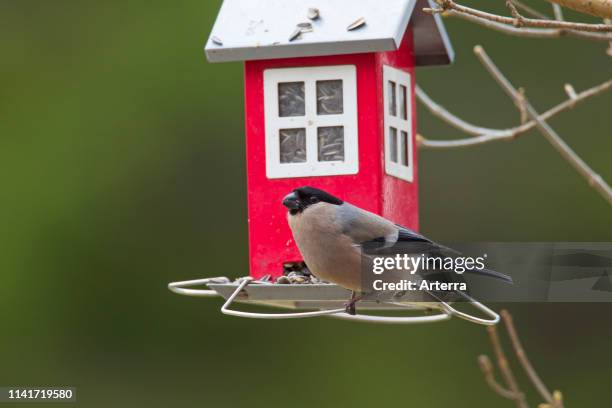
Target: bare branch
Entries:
(530, 32)
(520, 104)
(526, 364)
(552, 401)
(599, 8)
(553, 138)
(448, 117)
(505, 369)
(487, 370)
(519, 21)
(518, 18)
(485, 135)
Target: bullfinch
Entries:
(331, 235)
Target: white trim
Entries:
(311, 121)
(397, 169)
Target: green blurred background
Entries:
(122, 168)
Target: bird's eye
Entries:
(314, 200)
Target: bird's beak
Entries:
(291, 201)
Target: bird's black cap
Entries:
(310, 192)
(303, 197)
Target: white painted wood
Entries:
(397, 169)
(311, 121)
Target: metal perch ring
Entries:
(231, 291)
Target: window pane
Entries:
(393, 144)
(291, 99)
(392, 99)
(403, 105)
(404, 147)
(292, 145)
(331, 143)
(329, 97)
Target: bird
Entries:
(332, 235)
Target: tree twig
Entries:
(529, 32)
(487, 371)
(520, 21)
(518, 18)
(514, 393)
(593, 179)
(526, 364)
(486, 135)
(449, 118)
(505, 369)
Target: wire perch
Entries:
(325, 298)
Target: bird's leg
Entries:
(350, 306)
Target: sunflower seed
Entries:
(295, 34)
(360, 22)
(283, 280)
(313, 13)
(216, 40)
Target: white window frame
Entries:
(311, 121)
(397, 169)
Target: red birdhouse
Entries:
(329, 104)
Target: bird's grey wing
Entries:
(363, 226)
(403, 241)
(408, 235)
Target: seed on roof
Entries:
(313, 13)
(216, 40)
(360, 22)
(295, 34)
(307, 25)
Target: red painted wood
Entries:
(270, 240)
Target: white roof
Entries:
(260, 29)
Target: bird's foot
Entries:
(350, 306)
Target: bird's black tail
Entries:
(491, 274)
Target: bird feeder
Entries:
(329, 102)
